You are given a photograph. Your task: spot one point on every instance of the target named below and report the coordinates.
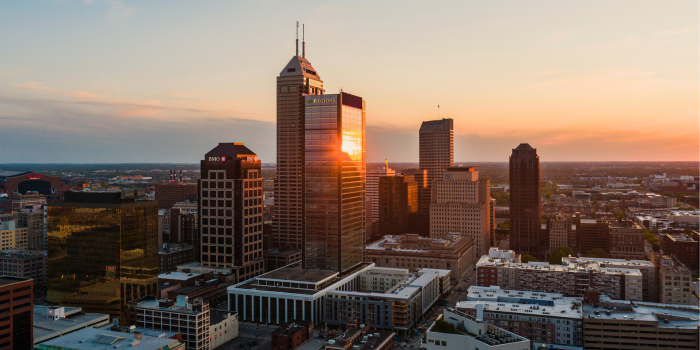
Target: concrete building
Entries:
(184, 227)
(16, 304)
(54, 321)
(461, 203)
(626, 240)
(526, 236)
(436, 148)
(683, 247)
(297, 78)
(12, 236)
(372, 198)
(454, 252)
(93, 338)
(675, 283)
(616, 324)
(173, 191)
(398, 198)
(24, 263)
(559, 227)
(223, 327)
(619, 279)
(230, 210)
(455, 330)
(290, 335)
(34, 218)
(591, 234)
(549, 320)
(314, 295)
(175, 315)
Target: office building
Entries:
(230, 210)
(372, 199)
(461, 203)
(436, 148)
(17, 301)
(54, 321)
(94, 338)
(549, 320)
(103, 251)
(455, 330)
(618, 324)
(397, 200)
(525, 202)
(297, 78)
(174, 315)
(592, 234)
(419, 222)
(333, 173)
(675, 283)
(12, 236)
(683, 247)
(23, 182)
(559, 227)
(616, 278)
(454, 253)
(291, 334)
(24, 263)
(626, 240)
(34, 218)
(173, 191)
(171, 255)
(184, 227)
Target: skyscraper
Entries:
(461, 203)
(230, 210)
(419, 221)
(525, 198)
(103, 251)
(398, 198)
(372, 193)
(296, 79)
(436, 148)
(334, 181)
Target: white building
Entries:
(455, 330)
(223, 327)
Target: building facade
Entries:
(626, 240)
(419, 222)
(436, 148)
(34, 218)
(171, 192)
(24, 263)
(16, 308)
(297, 78)
(12, 236)
(397, 200)
(683, 247)
(372, 198)
(178, 315)
(230, 210)
(525, 202)
(559, 227)
(675, 282)
(103, 252)
(333, 177)
(461, 203)
(592, 234)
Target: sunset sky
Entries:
(164, 81)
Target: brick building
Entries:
(681, 246)
(626, 240)
(291, 334)
(17, 313)
(171, 192)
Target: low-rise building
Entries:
(362, 339)
(12, 236)
(174, 315)
(626, 240)
(683, 247)
(291, 334)
(54, 321)
(24, 263)
(455, 330)
(223, 327)
(455, 252)
(549, 320)
(674, 282)
(93, 338)
(171, 255)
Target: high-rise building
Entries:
(372, 198)
(12, 237)
(419, 222)
(559, 227)
(173, 191)
(296, 79)
(397, 199)
(24, 263)
(525, 198)
(334, 181)
(230, 210)
(103, 251)
(461, 203)
(675, 285)
(34, 218)
(436, 148)
(16, 323)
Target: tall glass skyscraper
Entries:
(333, 167)
(526, 235)
(103, 252)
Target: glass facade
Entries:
(334, 181)
(101, 256)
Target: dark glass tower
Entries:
(398, 198)
(230, 210)
(334, 181)
(103, 252)
(525, 202)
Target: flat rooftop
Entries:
(101, 339)
(7, 280)
(179, 276)
(607, 266)
(667, 315)
(522, 302)
(45, 327)
(299, 275)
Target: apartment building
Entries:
(675, 286)
(24, 263)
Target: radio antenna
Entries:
(297, 38)
(303, 42)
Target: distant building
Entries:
(471, 333)
(34, 218)
(592, 234)
(151, 313)
(274, 259)
(683, 247)
(184, 228)
(28, 181)
(559, 227)
(626, 240)
(372, 198)
(420, 220)
(454, 252)
(461, 203)
(54, 321)
(16, 323)
(173, 191)
(13, 237)
(436, 148)
(16, 201)
(103, 251)
(91, 338)
(24, 263)
(525, 202)
(675, 282)
(290, 335)
(397, 200)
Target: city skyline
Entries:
(540, 73)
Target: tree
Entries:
(561, 252)
(597, 253)
(596, 203)
(594, 215)
(619, 214)
(525, 258)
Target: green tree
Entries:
(597, 253)
(595, 202)
(594, 215)
(619, 214)
(525, 258)
(561, 252)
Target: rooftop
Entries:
(522, 302)
(600, 265)
(667, 315)
(100, 339)
(291, 327)
(180, 276)
(8, 280)
(230, 149)
(299, 275)
(468, 326)
(45, 328)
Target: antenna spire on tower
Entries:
(303, 42)
(297, 38)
